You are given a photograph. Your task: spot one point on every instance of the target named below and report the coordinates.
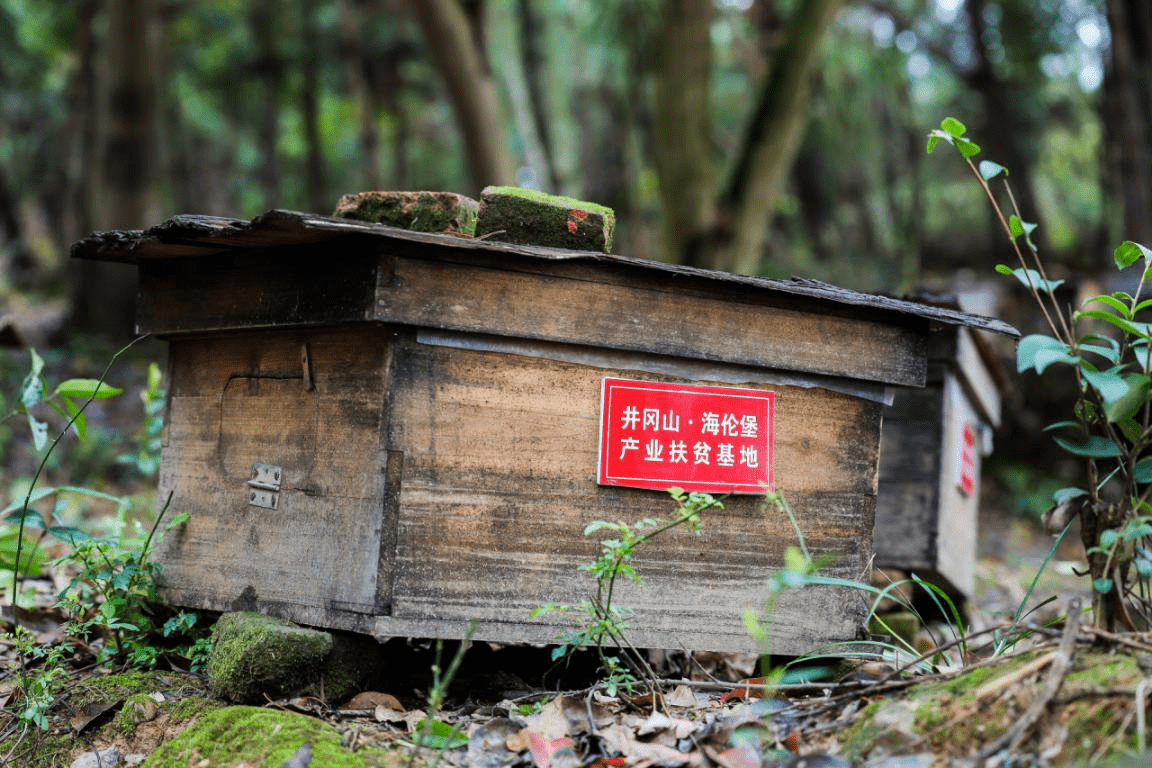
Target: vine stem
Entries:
(40, 470)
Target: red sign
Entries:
(708, 439)
(966, 476)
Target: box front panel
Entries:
(273, 450)
(499, 481)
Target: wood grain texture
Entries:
(573, 303)
(908, 508)
(318, 285)
(236, 400)
(499, 467)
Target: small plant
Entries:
(113, 594)
(433, 733)
(601, 619)
(1106, 345)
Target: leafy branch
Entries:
(1108, 345)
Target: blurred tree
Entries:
(729, 231)
(127, 189)
(454, 35)
(532, 39)
(1127, 113)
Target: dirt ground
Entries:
(1065, 695)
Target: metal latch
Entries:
(264, 486)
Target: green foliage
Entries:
(1107, 346)
(600, 619)
(111, 602)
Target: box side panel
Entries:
(579, 304)
(959, 510)
(499, 476)
(907, 507)
(310, 404)
(304, 285)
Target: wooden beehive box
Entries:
(396, 433)
(930, 459)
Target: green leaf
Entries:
(953, 127)
(39, 432)
(85, 388)
(1128, 253)
(32, 390)
(1131, 401)
(1137, 530)
(795, 561)
(71, 412)
(1121, 308)
(69, 534)
(1144, 568)
(1109, 384)
(1064, 495)
(440, 735)
(1038, 351)
(1108, 538)
(1142, 471)
(1015, 228)
(967, 147)
(990, 170)
(1103, 586)
(1140, 330)
(1030, 278)
(1091, 447)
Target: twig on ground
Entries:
(1060, 667)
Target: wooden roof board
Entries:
(196, 235)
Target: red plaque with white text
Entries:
(699, 438)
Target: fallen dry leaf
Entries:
(373, 699)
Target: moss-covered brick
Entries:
(528, 217)
(255, 656)
(445, 212)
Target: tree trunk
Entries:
(356, 67)
(771, 139)
(1003, 138)
(454, 39)
(126, 192)
(1126, 111)
(315, 192)
(682, 133)
(535, 74)
(268, 73)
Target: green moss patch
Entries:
(445, 212)
(256, 657)
(245, 736)
(528, 217)
(950, 720)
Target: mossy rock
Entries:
(255, 657)
(528, 217)
(230, 737)
(103, 704)
(445, 212)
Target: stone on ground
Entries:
(528, 217)
(255, 657)
(445, 212)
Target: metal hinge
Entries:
(264, 486)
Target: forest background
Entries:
(770, 137)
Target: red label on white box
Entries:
(699, 438)
(966, 471)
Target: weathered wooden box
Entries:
(933, 444)
(396, 433)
